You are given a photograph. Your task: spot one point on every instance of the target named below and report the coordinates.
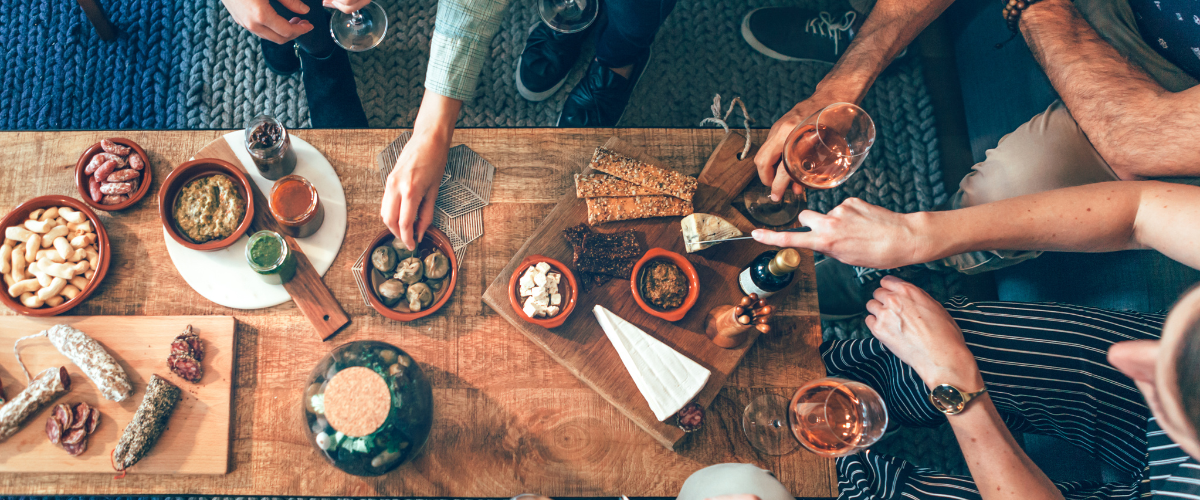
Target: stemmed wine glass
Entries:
(360, 30)
(831, 417)
(822, 152)
(569, 16)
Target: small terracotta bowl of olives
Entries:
(406, 285)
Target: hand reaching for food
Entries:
(919, 331)
(261, 19)
(412, 187)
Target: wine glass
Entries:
(832, 417)
(569, 16)
(822, 152)
(360, 30)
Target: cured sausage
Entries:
(187, 367)
(90, 356)
(47, 387)
(112, 147)
(148, 423)
(188, 343)
(53, 429)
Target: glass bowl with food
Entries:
(367, 407)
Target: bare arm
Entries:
(1104, 217)
(919, 331)
(891, 26)
(1141, 129)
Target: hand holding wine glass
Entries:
(360, 29)
(568, 16)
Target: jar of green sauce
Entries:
(269, 256)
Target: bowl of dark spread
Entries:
(206, 204)
(665, 284)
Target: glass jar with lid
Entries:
(367, 407)
(297, 207)
(270, 256)
(270, 147)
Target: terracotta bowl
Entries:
(693, 284)
(21, 213)
(434, 238)
(193, 170)
(570, 293)
(143, 183)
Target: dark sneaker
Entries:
(840, 294)
(776, 33)
(546, 60)
(599, 99)
(281, 59)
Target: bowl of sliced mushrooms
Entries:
(408, 284)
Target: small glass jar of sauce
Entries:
(270, 147)
(297, 207)
(269, 255)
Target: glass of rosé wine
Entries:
(830, 417)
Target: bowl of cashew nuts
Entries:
(54, 254)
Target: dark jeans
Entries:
(630, 30)
(328, 78)
(1004, 88)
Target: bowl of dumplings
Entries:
(409, 284)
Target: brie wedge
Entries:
(699, 228)
(667, 379)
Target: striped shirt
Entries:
(1172, 474)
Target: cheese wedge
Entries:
(667, 379)
(699, 228)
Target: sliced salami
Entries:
(53, 429)
(93, 420)
(64, 415)
(81, 415)
(187, 367)
(77, 448)
(188, 343)
(74, 436)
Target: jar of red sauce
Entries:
(296, 206)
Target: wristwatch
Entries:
(952, 400)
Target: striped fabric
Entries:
(1046, 369)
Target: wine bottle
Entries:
(770, 272)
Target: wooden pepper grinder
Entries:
(729, 326)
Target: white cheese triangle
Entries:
(667, 379)
(699, 228)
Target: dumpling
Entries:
(436, 265)
(419, 297)
(410, 270)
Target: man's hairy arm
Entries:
(1141, 129)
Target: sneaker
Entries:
(283, 60)
(774, 32)
(840, 294)
(599, 99)
(546, 60)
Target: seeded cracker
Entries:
(598, 185)
(601, 210)
(644, 174)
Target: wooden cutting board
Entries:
(581, 345)
(197, 437)
(309, 293)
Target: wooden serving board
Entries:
(309, 293)
(197, 437)
(581, 345)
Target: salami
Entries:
(93, 420)
(74, 436)
(64, 415)
(80, 416)
(111, 147)
(1, 393)
(47, 387)
(187, 367)
(90, 356)
(77, 448)
(188, 343)
(53, 429)
(148, 423)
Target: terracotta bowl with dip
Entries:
(689, 272)
(81, 177)
(569, 291)
(434, 239)
(21, 213)
(189, 172)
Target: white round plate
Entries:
(224, 277)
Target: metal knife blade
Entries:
(802, 229)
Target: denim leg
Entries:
(630, 30)
(328, 78)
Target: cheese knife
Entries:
(802, 229)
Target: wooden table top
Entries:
(509, 419)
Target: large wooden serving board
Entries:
(581, 345)
(197, 437)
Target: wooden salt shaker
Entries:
(723, 328)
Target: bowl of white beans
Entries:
(54, 254)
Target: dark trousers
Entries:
(328, 78)
(630, 30)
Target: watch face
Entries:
(947, 399)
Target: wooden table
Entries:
(508, 418)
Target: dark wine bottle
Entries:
(770, 272)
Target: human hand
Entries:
(919, 331)
(769, 158)
(412, 188)
(261, 19)
(346, 6)
(858, 233)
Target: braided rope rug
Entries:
(186, 64)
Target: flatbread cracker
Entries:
(609, 209)
(644, 174)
